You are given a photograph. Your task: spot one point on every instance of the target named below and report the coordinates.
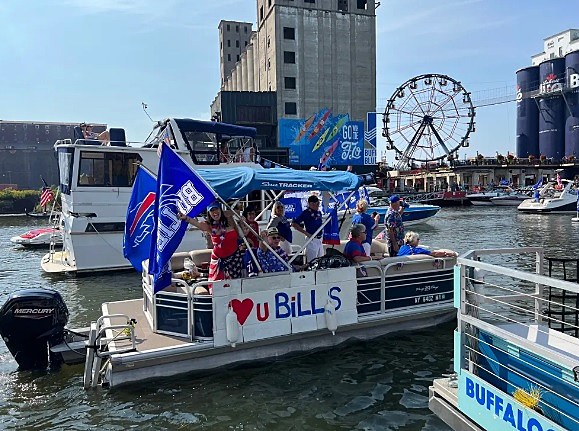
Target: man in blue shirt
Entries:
(311, 219)
(369, 222)
(354, 249)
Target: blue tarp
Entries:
(224, 129)
(235, 183)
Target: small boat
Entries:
(516, 346)
(511, 199)
(484, 198)
(414, 214)
(553, 198)
(41, 237)
(245, 320)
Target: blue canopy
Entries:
(224, 129)
(235, 183)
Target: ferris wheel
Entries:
(429, 117)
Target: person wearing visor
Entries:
(394, 225)
(267, 260)
(226, 260)
(311, 219)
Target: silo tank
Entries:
(552, 109)
(572, 107)
(527, 141)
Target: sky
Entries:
(99, 60)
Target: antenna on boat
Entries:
(145, 106)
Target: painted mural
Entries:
(324, 140)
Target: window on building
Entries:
(245, 43)
(237, 44)
(261, 13)
(290, 83)
(362, 4)
(291, 108)
(289, 33)
(228, 57)
(238, 58)
(228, 43)
(560, 51)
(228, 28)
(289, 57)
(309, 1)
(237, 28)
(245, 29)
(268, 41)
(343, 5)
(269, 3)
(268, 64)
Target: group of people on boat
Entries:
(271, 248)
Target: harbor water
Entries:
(376, 385)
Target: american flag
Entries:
(46, 196)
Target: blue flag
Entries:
(139, 223)
(179, 189)
(538, 185)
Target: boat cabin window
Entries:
(65, 163)
(107, 169)
(204, 148)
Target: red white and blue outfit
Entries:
(269, 262)
(226, 261)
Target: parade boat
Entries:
(96, 183)
(516, 347)
(175, 331)
(554, 197)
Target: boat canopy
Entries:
(235, 183)
(223, 129)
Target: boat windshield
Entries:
(204, 148)
(65, 159)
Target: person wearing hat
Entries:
(311, 219)
(226, 260)
(249, 214)
(268, 261)
(283, 225)
(394, 225)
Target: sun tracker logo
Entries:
(551, 84)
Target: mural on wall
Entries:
(324, 140)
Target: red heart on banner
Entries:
(242, 309)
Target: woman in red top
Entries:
(226, 259)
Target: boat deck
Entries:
(57, 262)
(146, 339)
(443, 402)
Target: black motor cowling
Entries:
(31, 321)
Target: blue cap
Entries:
(394, 198)
(213, 205)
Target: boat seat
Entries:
(117, 137)
(413, 263)
(200, 256)
(379, 248)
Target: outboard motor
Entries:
(31, 321)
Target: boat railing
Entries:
(509, 337)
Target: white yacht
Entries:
(553, 198)
(96, 184)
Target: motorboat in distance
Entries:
(554, 197)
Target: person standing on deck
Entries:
(361, 217)
(394, 225)
(311, 218)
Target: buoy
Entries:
(330, 313)
(232, 327)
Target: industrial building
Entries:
(319, 59)
(548, 101)
(27, 152)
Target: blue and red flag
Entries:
(179, 189)
(332, 229)
(139, 222)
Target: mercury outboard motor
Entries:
(31, 321)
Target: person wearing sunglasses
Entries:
(267, 260)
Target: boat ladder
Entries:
(100, 345)
(563, 305)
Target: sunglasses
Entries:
(275, 237)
